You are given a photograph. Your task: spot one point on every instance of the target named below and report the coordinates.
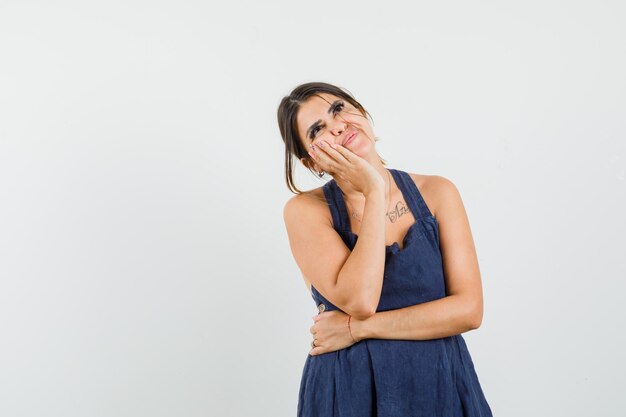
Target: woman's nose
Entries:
(339, 128)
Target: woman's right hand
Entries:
(342, 163)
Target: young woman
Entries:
(390, 262)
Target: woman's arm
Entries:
(444, 317)
(462, 308)
(350, 279)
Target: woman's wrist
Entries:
(359, 329)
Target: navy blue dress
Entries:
(394, 378)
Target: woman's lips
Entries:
(353, 135)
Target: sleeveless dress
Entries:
(394, 378)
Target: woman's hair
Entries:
(287, 123)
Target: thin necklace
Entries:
(354, 213)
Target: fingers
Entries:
(321, 160)
(328, 158)
(333, 151)
(345, 152)
(315, 351)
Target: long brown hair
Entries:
(287, 113)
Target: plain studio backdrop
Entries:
(144, 265)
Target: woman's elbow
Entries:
(475, 323)
(362, 312)
(475, 317)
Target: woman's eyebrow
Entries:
(314, 125)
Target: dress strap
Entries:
(411, 194)
(337, 206)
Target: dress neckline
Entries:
(398, 179)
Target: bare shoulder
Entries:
(436, 190)
(308, 205)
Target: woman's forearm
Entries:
(444, 317)
(362, 274)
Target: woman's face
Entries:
(332, 119)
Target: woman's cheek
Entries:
(353, 119)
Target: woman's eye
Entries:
(338, 108)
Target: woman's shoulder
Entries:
(306, 203)
(313, 197)
(433, 188)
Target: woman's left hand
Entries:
(330, 332)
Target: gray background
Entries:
(144, 265)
